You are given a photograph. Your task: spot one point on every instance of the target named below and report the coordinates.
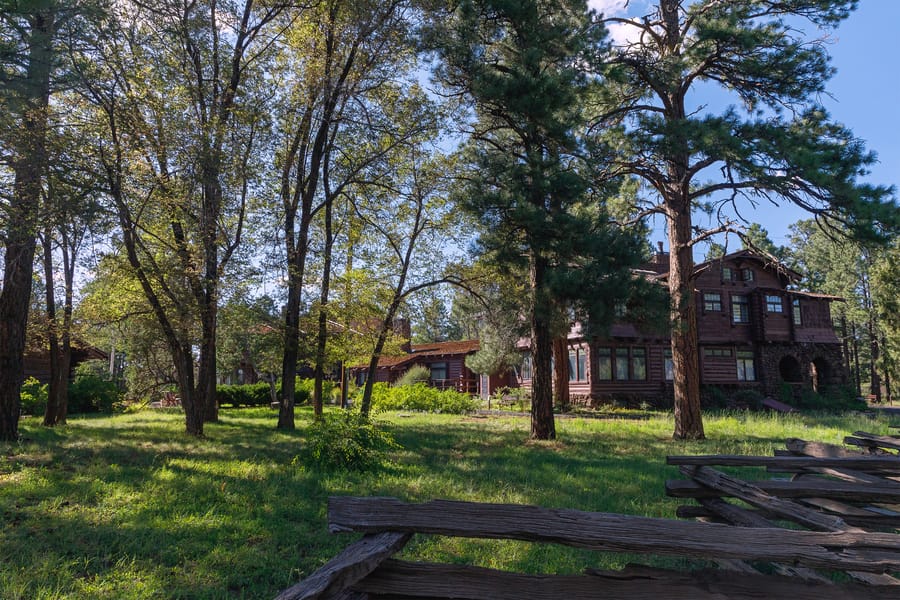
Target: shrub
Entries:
(93, 389)
(747, 399)
(834, 399)
(511, 398)
(33, 397)
(415, 374)
(346, 441)
(306, 387)
(421, 397)
(255, 394)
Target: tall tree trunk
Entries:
(561, 375)
(29, 164)
(57, 378)
(855, 350)
(683, 320)
(322, 336)
(543, 426)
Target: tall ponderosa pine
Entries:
(526, 66)
(28, 56)
(780, 146)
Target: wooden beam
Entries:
(859, 463)
(881, 441)
(355, 562)
(802, 488)
(820, 449)
(863, 551)
(753, 495)
(396, 579)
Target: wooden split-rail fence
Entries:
(825, 529)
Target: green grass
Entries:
(130, 507)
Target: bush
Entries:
(93, 389)
(514, 398)
(255, 394)
(421, 397)
(346, 441)
(33, 397)
(747, 399)
(833, 399)
(415, 374)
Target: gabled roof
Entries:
(766, 260)
(432, 349)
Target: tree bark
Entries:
(57, 378)
(322, 335)
(561, 375)
(543, 426)
(683, 319)
(29, 164)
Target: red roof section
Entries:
(431, 349)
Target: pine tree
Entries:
(776, 145)
(527, 68)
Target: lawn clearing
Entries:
(130, 507)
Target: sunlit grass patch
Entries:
(131, 507)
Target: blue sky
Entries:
(864, 94)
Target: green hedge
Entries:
(255, 394)
(421, 397)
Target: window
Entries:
(774, 304)
(438, 371)
(746, 371)
(619, 308)
(727, 274)
(526, 367)
(621, 364)
(740, 309)
(795, 306)
(577, 371)
(604, 363)
(668, 365)
(712, 302)
(638, 363)
(747, 274)
(717, 352)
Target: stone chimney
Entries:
(402, 328)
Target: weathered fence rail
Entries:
(838, 508)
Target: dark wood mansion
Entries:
(754, 333)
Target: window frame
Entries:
(743, 360)
(747, 274)
(436, 366)
(771, 306)
(622, 363)
(796, 312)
(740, 308)
(711, 300)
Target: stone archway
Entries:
(789, 369)
(820, 374)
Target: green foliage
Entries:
(833, 399)
(34, 397)
(346, 441)
(421, 397)
(514, 398)
(137, 510)
(415, 374)
(258, 394)
(93, 390)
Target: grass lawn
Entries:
(130, 507)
